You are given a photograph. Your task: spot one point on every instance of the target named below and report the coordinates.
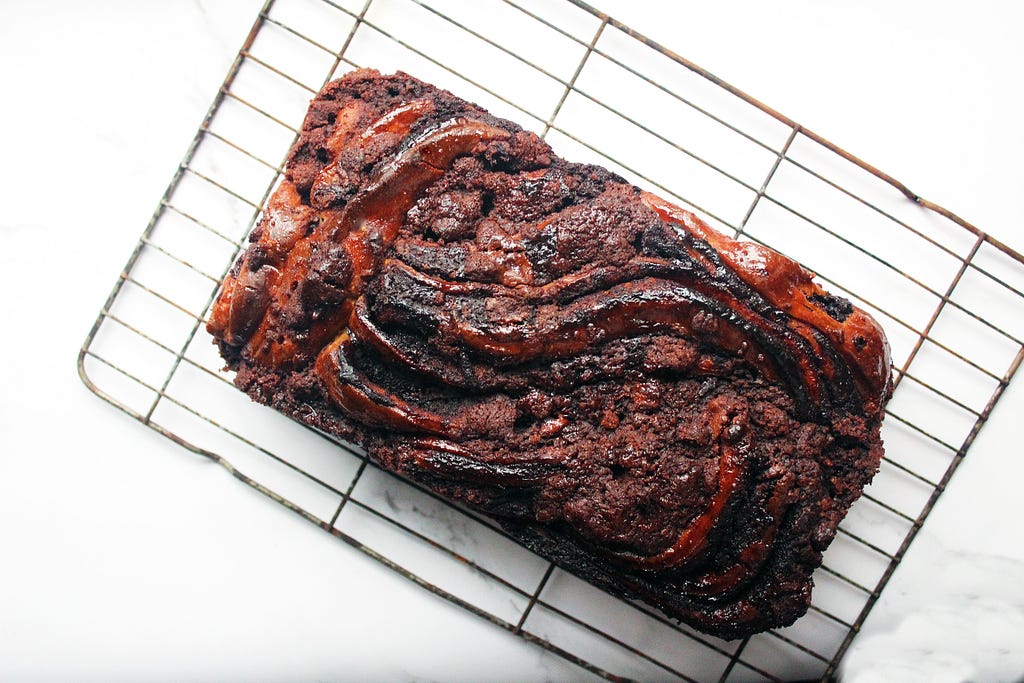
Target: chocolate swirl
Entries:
(675, 415)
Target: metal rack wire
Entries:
(949, 296)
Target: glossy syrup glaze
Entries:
(788, 286)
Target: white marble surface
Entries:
(125, 558)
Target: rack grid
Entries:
(948, 295)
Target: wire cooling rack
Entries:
(949, 297)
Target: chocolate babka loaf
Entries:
(675, 416)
